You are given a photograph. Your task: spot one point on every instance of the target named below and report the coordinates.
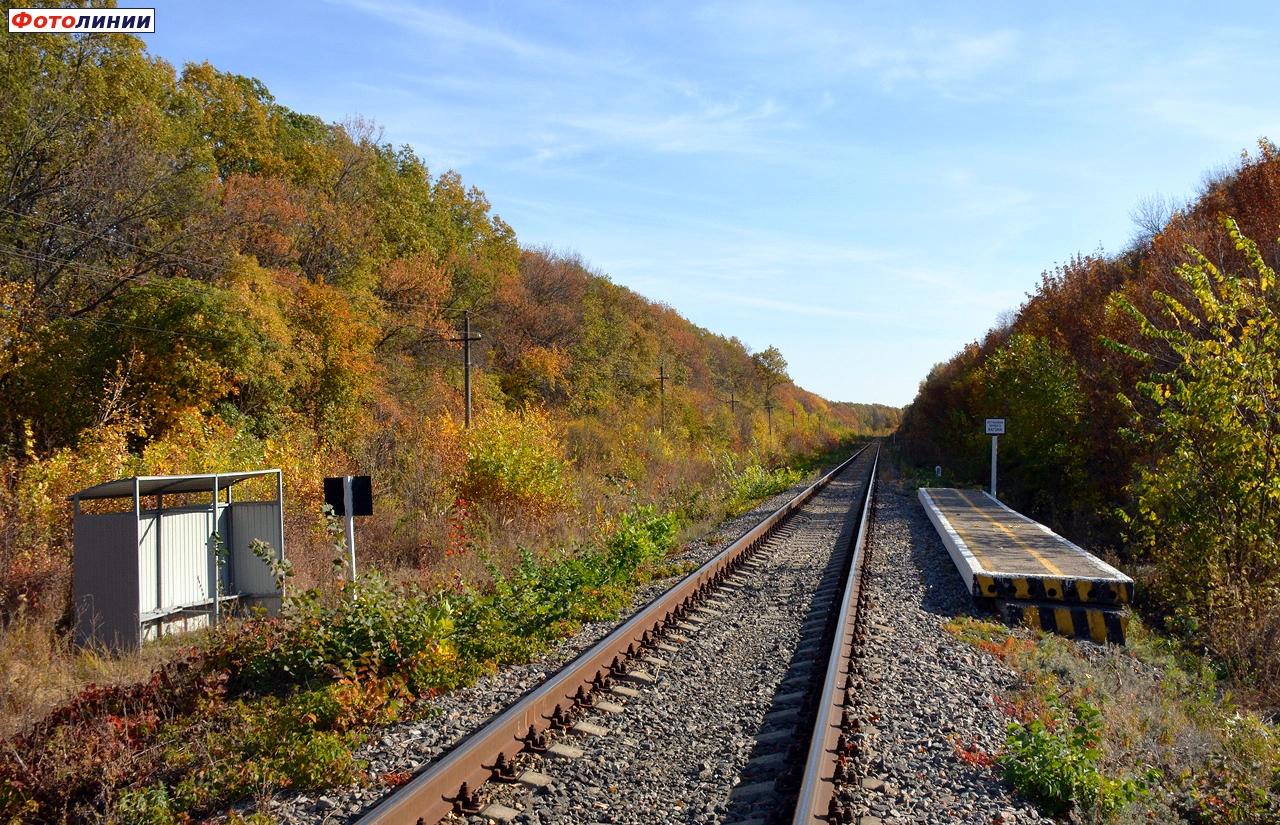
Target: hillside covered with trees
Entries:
(197, 278)
(1142, 393)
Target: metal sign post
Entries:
(349, 496)
(995, 429)
(350, 523)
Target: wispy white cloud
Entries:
(979, 198)
(791, 307)
(740, 260)
(442, 26)
(839, 43)
(942, 60)
(712, 127)
(541, 104)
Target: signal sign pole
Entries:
(995, 429)
(349, 519)
(349, 496)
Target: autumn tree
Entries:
(770, 373)
(1207, 506)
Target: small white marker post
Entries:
(995, 429)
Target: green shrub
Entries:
(754, 483)
(516, 458)
(642, 537)
(542, 600)
(367, 626)
(145, 806)
(1056, 765)
(249, 749)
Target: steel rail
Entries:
(445, 786)
(818, 788)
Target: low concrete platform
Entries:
(1034, 575)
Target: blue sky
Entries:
(865, 186)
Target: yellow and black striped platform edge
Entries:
(1049, 588)
(1099, 624)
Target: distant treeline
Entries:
(1142, 392)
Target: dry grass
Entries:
(1163, 708)
(40, 669)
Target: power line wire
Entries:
(100, 236)
(443, 308)
(103, 322)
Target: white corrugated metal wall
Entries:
(178, 572)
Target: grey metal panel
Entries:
(104, 580)
(254, 520)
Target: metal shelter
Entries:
(146, 571)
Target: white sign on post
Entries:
(995, 429)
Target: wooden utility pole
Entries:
(466, 338)
(662, 395)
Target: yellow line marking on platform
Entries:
(1050, 566)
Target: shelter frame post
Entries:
(280, 515)
(137, 549)
(216, 579)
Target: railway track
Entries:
(780, 604)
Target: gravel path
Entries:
(706, 742)
(450, 718)
(927, 692)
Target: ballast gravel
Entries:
(678, 751)
(929, 696)
(408, 748)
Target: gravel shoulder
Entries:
(448, 719)
(928, 694)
